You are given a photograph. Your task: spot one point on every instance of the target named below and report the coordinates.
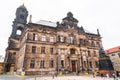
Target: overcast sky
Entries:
(91, 14)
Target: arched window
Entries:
(19, 30)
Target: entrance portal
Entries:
(73, 66)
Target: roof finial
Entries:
(98, 32)
(30, 19)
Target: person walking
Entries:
(107, 75)
(56, 73)
(53, 74)
(114, 76)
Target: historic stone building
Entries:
(46, 46)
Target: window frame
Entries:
(43, 38)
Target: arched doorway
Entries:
(7, 67)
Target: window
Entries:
(42, 50)
(112, 54)
(89, 55)
(82, 42)
(72, 51)
(90, 64)
(84, 63)
(51, 63)
(62, 63)
(35, 37)
(93, 44)
(9, 57)
(95, 55)
(42, 62)
(58, 38)
(33, 49)
(61, 39)
(71, 39)
(119, 55)
(22, 16)
(96, 63)
(51, 50)
(65, 40)
(43, 38)
(51, 39)
(19, 32)
(98, 44)
(32, 63)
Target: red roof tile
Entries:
(111, 50)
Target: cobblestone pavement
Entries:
(18, 77)
(71, 78)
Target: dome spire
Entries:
(69, 14)
(23, 4)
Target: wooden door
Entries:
(73, 66)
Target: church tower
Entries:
(70, 22)
(20, 21)
(18, 26)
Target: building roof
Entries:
(47, 23)
(112, 50)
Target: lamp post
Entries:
(58, 61)
(59, 66)
(35, 73)
(42, 66)
(78, 64)
(81, 60)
